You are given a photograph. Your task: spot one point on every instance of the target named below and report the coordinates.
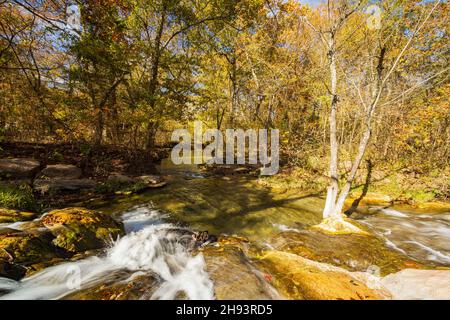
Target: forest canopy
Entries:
(127, 72)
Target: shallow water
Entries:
(423, 236)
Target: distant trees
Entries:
(136, 69)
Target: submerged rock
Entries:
(419, 284)
(60, 171)
(11, 215)
(234, 276)
(299, 278)
(18, 167)
(351, 251)
(79, 229)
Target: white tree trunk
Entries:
(333, 188)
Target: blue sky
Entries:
(311, 2)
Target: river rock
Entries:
(152, 181)
(11, 215)
(419, 284)
(353, 252)
(14, 168)
(233, 275)
(118, 287)
(300, 278)
(11, 270)
(25, 248)
(60, 171)
(58, 185)
(79, 229)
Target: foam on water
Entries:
(150, 246)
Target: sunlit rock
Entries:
(299, 278)
(79, 229)
(419, 284)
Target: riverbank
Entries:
(427, 191)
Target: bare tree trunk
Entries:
(332, 190)
(234, 91)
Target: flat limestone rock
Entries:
(414, 284)
(18, 167)
(233, 275)
(60, 171)
(58, 185)
(300, 278)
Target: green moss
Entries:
(78, 229)
(20, 198)
(24, 248)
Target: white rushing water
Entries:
(150, 246)
(421, 236)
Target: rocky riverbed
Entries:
(140, 246)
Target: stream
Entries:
(156, 250)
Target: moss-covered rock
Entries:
(26, 248)
(298, 278)
(351, 251)
(11, 215)
(79, 229)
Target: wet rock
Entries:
(11, 215)
(25, 248)
(60, 171)
(79, 229)
(152, 181)
(36, 267)
(118, 287)
(351, 251)
(58, 185)
(299, 278)
(11, 270)
(18, 167)
(233, 275)
(120, 178)
(419, 284)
